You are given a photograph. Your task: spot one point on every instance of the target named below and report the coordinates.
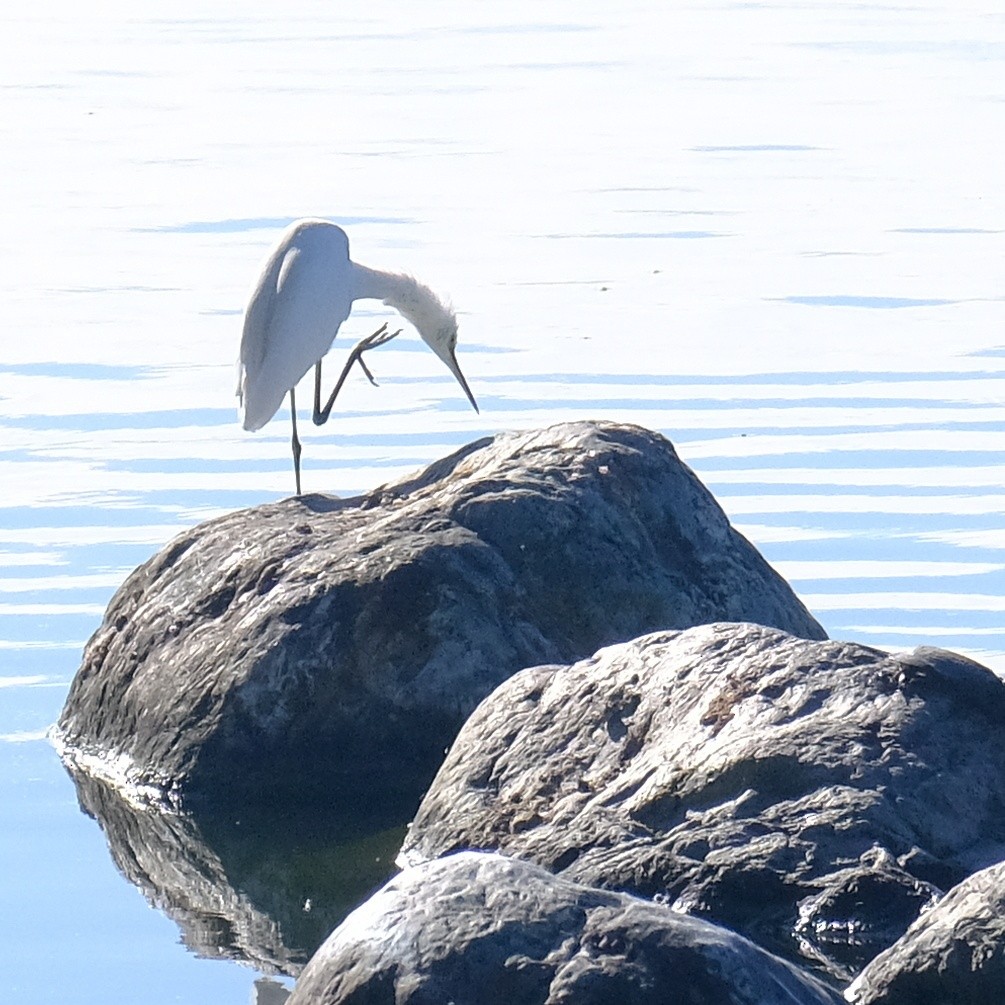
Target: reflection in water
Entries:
(262, 888)
(269, 992)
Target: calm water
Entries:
(774, 232)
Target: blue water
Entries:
(773, 233)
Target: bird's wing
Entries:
(302, 296)
(258, 313)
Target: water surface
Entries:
(772, 232)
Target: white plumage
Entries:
(304, 292)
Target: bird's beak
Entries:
(451, 361)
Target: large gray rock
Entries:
(814, 795)
(954, 954)
(314, 644)
(477, 929)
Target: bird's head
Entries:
(443, 341)
(435, 322)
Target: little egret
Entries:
(304, 293)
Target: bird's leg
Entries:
(378, 338)
(297, 449)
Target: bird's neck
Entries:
(372, 284)
(416, 303)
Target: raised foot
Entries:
(378, 338)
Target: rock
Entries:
(860, 908)
(954, 954)
(318, 646)
(483, 928)
(790, 789)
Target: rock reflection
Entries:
(264, 887)
(268, 992)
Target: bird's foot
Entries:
(378, 338)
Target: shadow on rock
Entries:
(954, 953)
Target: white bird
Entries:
(305, 291)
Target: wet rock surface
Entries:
(954, 954)
(813, 795)
(860, 908)
(483, 928)
(319, 647)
